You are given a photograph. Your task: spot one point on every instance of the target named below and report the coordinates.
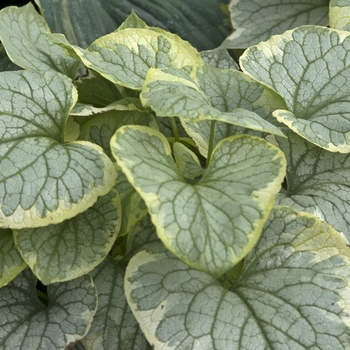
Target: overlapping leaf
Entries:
(293, 293)
(114, 326)
(214, 97)
(309, 67)
(214, 223)
(219, 58)
(11, 262)
(23, 33)
(103, 122)
(125, 56)
(254, 21)
(65, 251)
(317, 182)
(27, 324)
(44, 181)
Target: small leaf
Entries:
(65, 251)
(292, 294)
(254, 21)
(44, 180)
(114, 326)
(11, 262)
(318, 181)
(23, 33)
(339, 15)
(187, 162)
(309, 68)
(213, 224)
(27, 324)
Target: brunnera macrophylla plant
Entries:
(141, 183)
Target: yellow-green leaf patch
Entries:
(339, 14)
(11, 262)
(214, 223)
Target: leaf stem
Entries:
(174, 128)
(211, 141)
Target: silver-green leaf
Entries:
(254, 20)
(293, 293)
(44, 180)
(318, 181)
(27, 324)
(114, 326)
(70, 249)
(23, 33)
(213, 223)
(309, 68)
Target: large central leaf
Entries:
(214, 223)
(42, 180)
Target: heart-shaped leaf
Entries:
(187, 162)
(309, 68)
(318, 181)
(339, 15)
(65, 251)
(293, 293)
(214, 223)
(23, 33)
(42, 180)
(27, 324)
(114, 326)
(11, 262)
(255, 20)
(231, 90)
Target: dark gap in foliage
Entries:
(15, 3)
